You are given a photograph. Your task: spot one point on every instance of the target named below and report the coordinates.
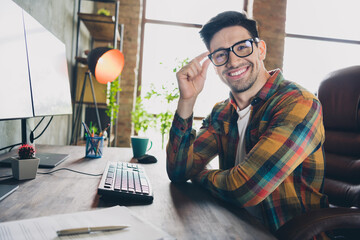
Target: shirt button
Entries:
(255, 101)
(182, 128)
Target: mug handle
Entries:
(150, 146)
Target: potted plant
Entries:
(25, 165)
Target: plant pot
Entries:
(24, 168)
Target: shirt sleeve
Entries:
(183, 163)
(294, 132)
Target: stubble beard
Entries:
(242, 85)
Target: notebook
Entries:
(50, 160)
(6, 190)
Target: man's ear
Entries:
(262, 50)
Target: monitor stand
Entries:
(50, 160)
(47, 160)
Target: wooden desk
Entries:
(185, 211)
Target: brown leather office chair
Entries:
(339, 94)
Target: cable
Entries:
(32, 138)
(71, 170)
(31, 135)
(38, 124)
(6, 176)
(11, 146)
(67, 169)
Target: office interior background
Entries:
(307, 39)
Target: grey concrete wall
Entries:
(60, 18)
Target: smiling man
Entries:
(268, 135)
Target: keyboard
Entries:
(125, 181)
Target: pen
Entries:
(93, 133)
(87, 230)
(102, 133)
(86, 128)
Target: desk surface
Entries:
(182, 210)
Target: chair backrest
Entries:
(339, 94)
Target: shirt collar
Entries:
(232, 100)
(271, 85)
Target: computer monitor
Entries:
(49, 78)
(33, 69)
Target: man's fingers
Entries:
(198, 67)
(190, 70)
(195, 68)
(201, 56)
(205, 67)
(191, 73)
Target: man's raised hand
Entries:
(191, 77)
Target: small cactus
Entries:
(26, 151)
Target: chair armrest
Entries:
(317, 221)
(341, 193)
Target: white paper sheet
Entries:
(46, 227)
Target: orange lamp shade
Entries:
(105, 64)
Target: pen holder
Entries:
(94, 147)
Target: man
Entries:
(268, 135)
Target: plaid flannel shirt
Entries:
(284, 167)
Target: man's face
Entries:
(240, 74)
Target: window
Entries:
(321, 37)
(171, 35)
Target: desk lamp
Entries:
(106, 65)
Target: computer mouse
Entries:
(147, 159)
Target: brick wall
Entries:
(271, 16)
(130, 16)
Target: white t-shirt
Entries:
(243, 120)
(242, 123)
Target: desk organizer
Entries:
(94, 147)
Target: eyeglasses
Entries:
(241, 49)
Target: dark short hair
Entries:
(227, 19)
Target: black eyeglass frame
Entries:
(252, 40)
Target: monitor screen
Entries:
(33, 67)
(15, 93)
(48, 70)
